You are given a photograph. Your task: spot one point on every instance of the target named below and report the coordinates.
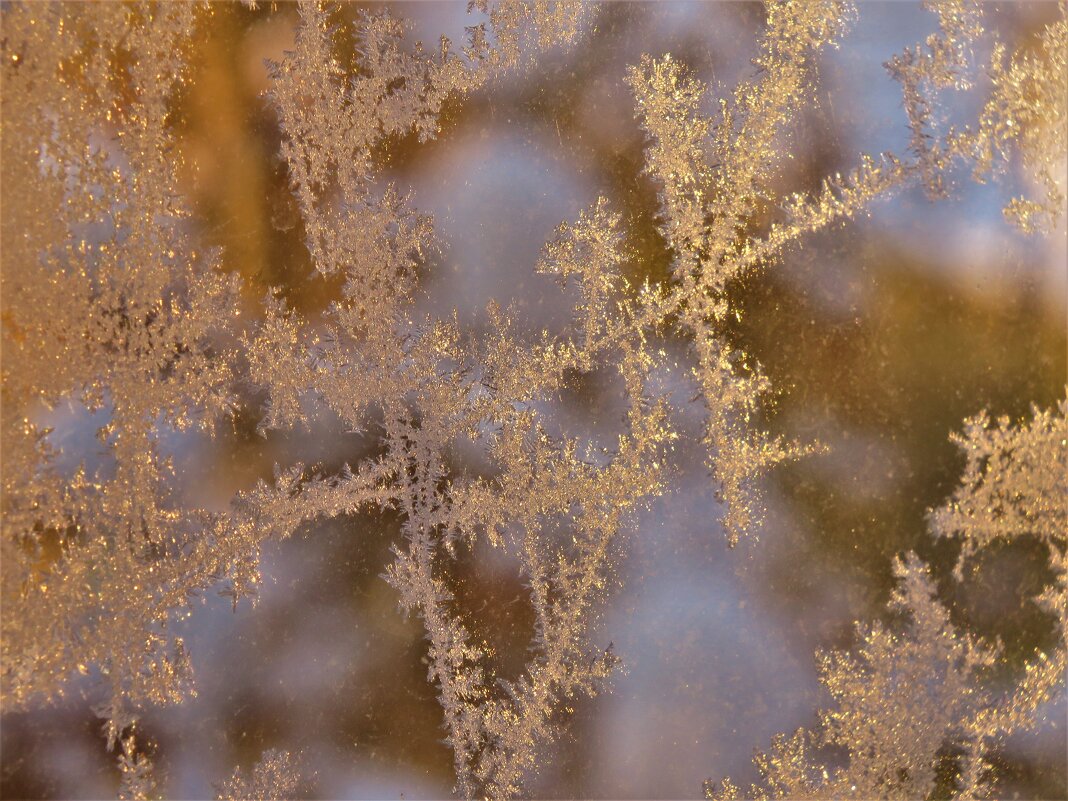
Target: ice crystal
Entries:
(275, 776)
(96, 564)
(715, 175)
(138, 781)
(111, 303)
(1027, 110)
(915, 707)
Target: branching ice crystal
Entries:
(916, 707)
(106, 301)
(109, 302)
(276, 775)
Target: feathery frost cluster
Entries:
(109, 302)
(918, 708)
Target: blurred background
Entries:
(880, 337)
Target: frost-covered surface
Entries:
(112, 303)
(916, 706)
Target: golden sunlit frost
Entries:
(916, 707)
(110, 302)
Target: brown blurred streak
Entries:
(227, 134)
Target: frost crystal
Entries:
(916, 708)
(111, 304)
(273, 778)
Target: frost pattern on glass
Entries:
(108, 302)
(276, 775)
(918, 706)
